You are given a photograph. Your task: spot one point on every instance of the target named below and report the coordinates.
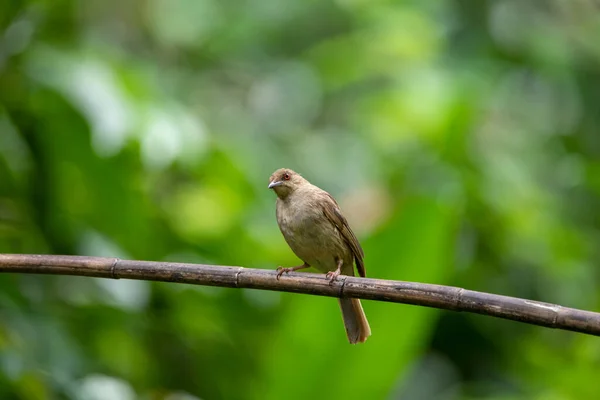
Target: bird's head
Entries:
(284, 182)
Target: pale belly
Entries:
(315, 240)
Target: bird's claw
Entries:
(281, 271)
(332, 275)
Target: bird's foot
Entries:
(332, 275)
(281, 271)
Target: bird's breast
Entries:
(311, 236)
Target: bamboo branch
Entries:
(422, 294)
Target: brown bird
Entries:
(313, 226)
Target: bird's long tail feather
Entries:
(355, 321)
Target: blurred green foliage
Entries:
(460, 137)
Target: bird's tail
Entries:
(355, 321)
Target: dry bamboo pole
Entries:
(422, 294)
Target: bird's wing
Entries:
(331, 209)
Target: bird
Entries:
(317, 232)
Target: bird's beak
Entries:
(275, 184)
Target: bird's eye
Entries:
(286, 176)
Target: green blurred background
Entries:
(461, 138)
